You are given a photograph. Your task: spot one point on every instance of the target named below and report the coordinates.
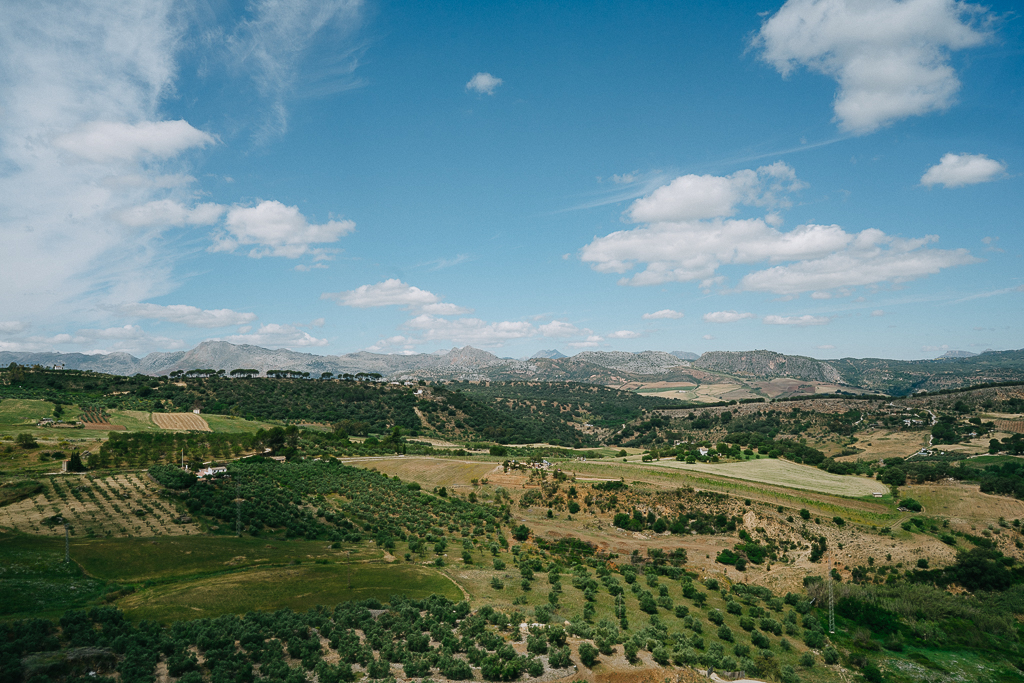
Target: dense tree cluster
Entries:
(270, 497)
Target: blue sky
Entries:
(820, 177)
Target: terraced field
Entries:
(181, 422)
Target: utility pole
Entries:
(831, 597)
(238, 510)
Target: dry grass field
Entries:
(882, 443)
(119, 506)
(965, 503)
(784, 473)
(429, 472)
(181, 422)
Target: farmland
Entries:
(119, 505)
(783, 473)
(644, 544)
(180, 422)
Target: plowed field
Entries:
(182, 422)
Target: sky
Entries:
(829, 178)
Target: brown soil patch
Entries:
(182, 422)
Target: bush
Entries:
(588, 655)
(807, 660)
(560, 658)
(805, 514)
(660, 655)
(830, 655)
(716, 617)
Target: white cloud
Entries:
(391, 292)
(624, 334)
(12, 327)
(877, 314)
(557, 328)
(105, 141)
(708, 337)
(664, 314)
(277, 230)
(693, 197)
(591, 342)
(797, 320)
(273, 335)
(483, 83)
(890, 58)
(957, 170)
(822, 257)
(272, 44)
(470, 330)
(726, 316)
(870, 258)
(391, 344)
(187, 315)
(318, 322)
(825, 347)
(445, 309)
(168, 212)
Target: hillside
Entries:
(895, 377)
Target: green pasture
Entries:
(229, 424)
(168, 558)
(18, 411)
(296, 587)
(36, 582)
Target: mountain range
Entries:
(895, 377)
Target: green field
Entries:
(198, 576)
(295, 587)
(16, 411)
(147, 559)
(227, 424)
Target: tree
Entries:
(588, 654)
(26, 440)
(75, 463)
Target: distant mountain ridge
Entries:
(593, 367)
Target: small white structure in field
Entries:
(210, 471)
(195, 410)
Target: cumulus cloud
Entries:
(187, 315)
(557, 328)
(957, 170)
(398, 343)
(797, 320)
(693, 197)
(890, 58)
(104, 141)
(825, 347)
(273, 335)
(470, 330)
(168, 212)
(624, 334)
(445, 309)
(12, 327)
(869, 258)
(687, 242)
(663, 314)
(483, 83)
(590, 342)
(276, 230)
(391, 292)
(878, 314)
(726, 316)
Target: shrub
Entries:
(807, 660)
(830, 655)
(588, 654)
(560, 658)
